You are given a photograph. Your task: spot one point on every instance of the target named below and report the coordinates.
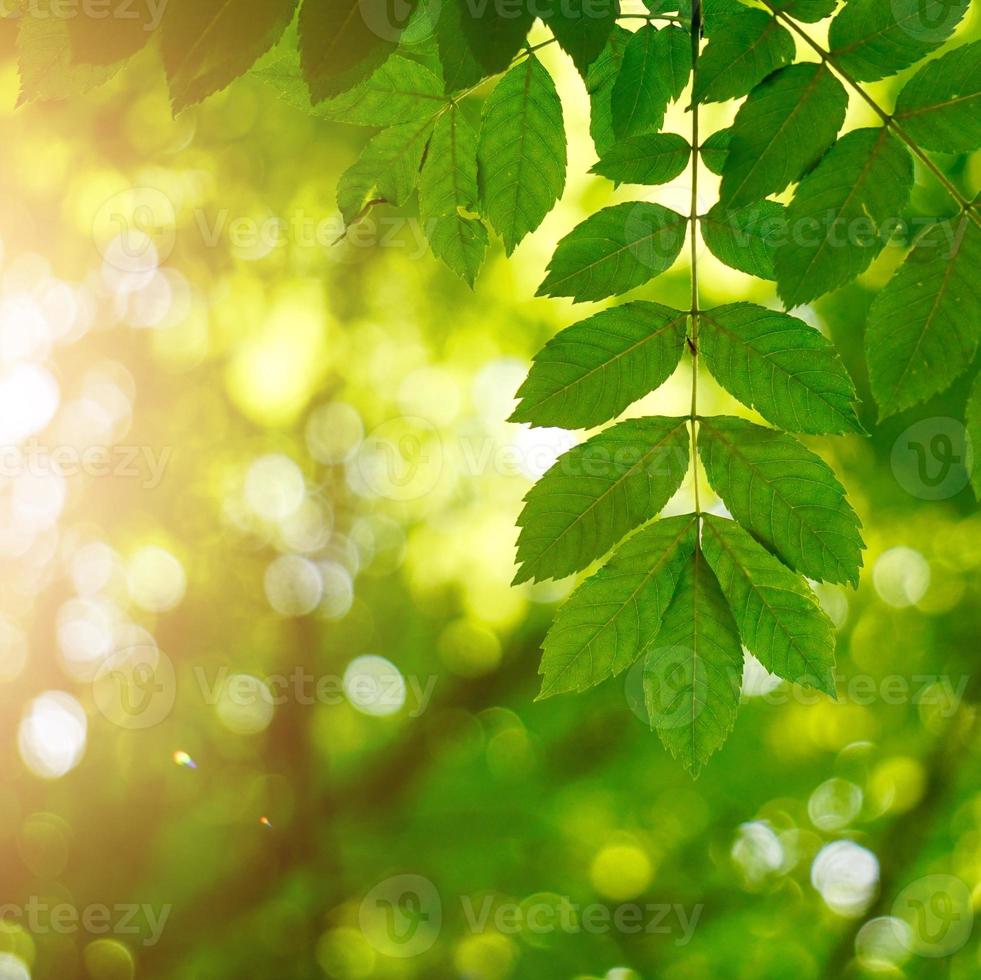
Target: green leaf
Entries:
(582, 27)
(781, 131)
(715, 150)
(749, 46)
(779, 619)
(591, 371)
(341, 41)
(448, 197)
(924, 327)
(495, 30)
(655, 69)
(785, 495)
(44, 61)
(614, 616)
(387, 170)
(693, 672)
(872, 39)
(522, 152)
(205, 44)
(809, 11)
(597, 492)
(600, 79)
(973, 419)
(780, 366)
(615, 250)
(940, 107)
(461, 69)
(653, 158)
(746, 239)
(106, 39)
(843, 213)
(399, 91)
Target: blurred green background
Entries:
(266, 693)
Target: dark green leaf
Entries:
(495, 30)
(973, 419)
(694, 669)
(591, 371)
(124, 28)
(342, 41)
(448, 197)
(924, 327)
(940, 107)
(600, 79)
(746, 239)
(780, 366)
(615, 250)
(779, 619)
(781, 131)
(843, 213)
(655, 64)
(386, 171)
(872, 39)
(749, 45)
(715, 150)
(582, 27)
(522, 152)
(785, 495)
(205, 44)
(614, 616)
(810, 11)
(461, 69)
(597, 492)
(44, 60)
(653, 158)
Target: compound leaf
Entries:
(597, 492)
(693, 671)
(591, 371)
(842, 213)
(614, 250)
(784, 495)
(781, 131)
(521, 153)
(940, 107)
(614, 616)
(780, 366)
(924, 327)
(872, 39)
(779, 619)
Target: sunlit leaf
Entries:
(785, 495)
(653, 158)
(747, 238)
(597, 492)
(592, 371)
(615, 615)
